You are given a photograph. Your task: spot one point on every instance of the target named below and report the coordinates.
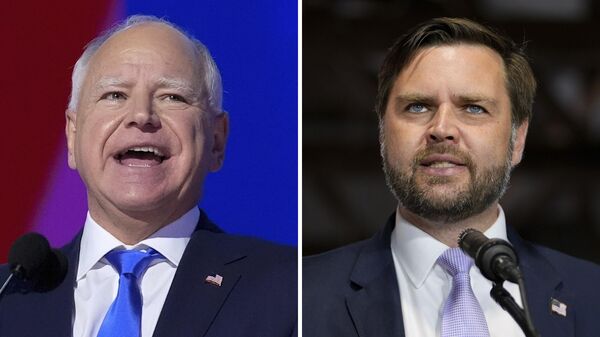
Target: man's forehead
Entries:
(158, 80)
(460, 60)
(165, 62)
(448, 50)
(454, 71)
(454, 54)
(145, 43)
(136, 66)
(154, 32)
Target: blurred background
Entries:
(554, 196)
(254, 43)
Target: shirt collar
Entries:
(170, 241)
(417, 251)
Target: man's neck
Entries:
(448, 233)
(133, 227)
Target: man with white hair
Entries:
(144, 127)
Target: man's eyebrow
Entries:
(414, 97)
(175, 83)
(477, 99)
(109, 82)
(420, 98)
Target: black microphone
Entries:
(496, 258)
(32, 260)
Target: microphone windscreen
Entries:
(30, 252)
(53, 271)
(470, 240)
(31, 259)
(488, 253)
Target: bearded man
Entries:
(454, 104)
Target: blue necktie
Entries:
(463, 316)
(123, 318)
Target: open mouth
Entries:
(141, 156)
(441, 162)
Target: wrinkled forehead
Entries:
(153, 48)
(413, 56)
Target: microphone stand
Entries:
(17, 270)
(507, 302)
(6, 283)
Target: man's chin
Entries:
(427, 181)
(440, 191)
(139, 202)
(439, 213)
(441, 203)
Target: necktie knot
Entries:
(132, 262)
(455, 262)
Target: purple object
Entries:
(462, 316)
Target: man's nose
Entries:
(143, 116)
(443, 126)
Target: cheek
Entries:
(196, 152)
(191, 136)
(490, 145)
(401, 142)
(92, 137)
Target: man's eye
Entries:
(113, 96)
(475, 109)
(416, 108)
(175, 98)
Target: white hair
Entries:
(211, 80)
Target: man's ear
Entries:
(519, 144)
(71, 133)
(220, 133)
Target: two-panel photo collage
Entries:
(316, 168)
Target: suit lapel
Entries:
(374, 305)
(543, 284)
(192, 303)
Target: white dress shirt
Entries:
(424, 285)
(97, 281)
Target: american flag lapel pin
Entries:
(215, 280)
(558, 307)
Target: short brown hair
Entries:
(520, 81)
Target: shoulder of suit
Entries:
(578, 277)
(256, 248)
(334, 266)
(569, 266)
(341, 254)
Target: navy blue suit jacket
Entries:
(258, 295)
(353, 290)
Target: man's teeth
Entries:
(153, 150)
(442, 164)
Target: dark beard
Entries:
(484, 188)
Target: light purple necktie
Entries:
(462, 315)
